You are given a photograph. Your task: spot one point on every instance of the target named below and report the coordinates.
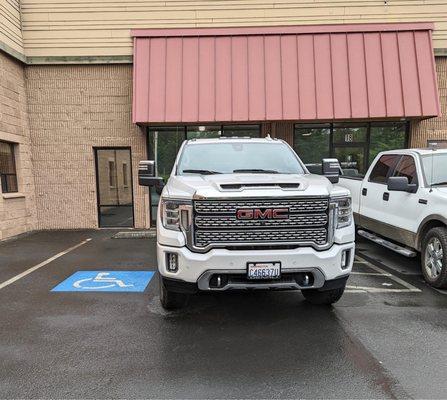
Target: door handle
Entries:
(386, 196)
(364, 191)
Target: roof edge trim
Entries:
(282, 30)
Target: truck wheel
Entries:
(171, 300)
(434, 257)
(327, 297)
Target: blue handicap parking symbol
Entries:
(106, 281)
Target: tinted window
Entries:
(407, 167)
(226, 157)
(382, 168)
(435, 168)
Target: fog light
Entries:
(345, 255)
(172, 262)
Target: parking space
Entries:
(376, 342)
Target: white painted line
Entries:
(370, 273)
(42, 264)
(393, 277)
(380, 290)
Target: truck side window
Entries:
(407, 167)
(382, 169)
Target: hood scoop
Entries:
(242, 186)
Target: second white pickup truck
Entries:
(402, 205)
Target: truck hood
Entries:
(250, 185)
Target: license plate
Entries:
(264, 270)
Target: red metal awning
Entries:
(326, 72)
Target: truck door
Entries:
(401, 209)
(372, 203)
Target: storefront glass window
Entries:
(164, 143)
(312, 144)
(349, 133)
(354, 144)
(241, 130)
(203, 131)
(386, 136)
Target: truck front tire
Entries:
(326, 297)
(171, 300)
(434, 257)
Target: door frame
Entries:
(98, 210)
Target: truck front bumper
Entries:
(221, 269)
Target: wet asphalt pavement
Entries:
(386, 338)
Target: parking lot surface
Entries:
(384, 339)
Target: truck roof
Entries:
(415, 151)
(233, 139)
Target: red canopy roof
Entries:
(327, 72)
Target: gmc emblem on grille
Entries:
(262, 213)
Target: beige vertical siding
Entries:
(10, 27)
(73, 109)
(17, 210)
(433, 128)
(101, 27)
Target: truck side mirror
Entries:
(146, 174)
(400, 184)
(331, 169)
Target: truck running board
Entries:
(405, 251)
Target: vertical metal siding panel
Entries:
(273, 78)
(306, 78)
(206, 79)
(357, 76)
(173, 80)
(409, 73)
(223, 79)
(289, 63)
(256, 78)
(374, 72)
(429, 92)
(340, 76)
(141, 77)
(323, 79)
(391, 72)
(239, 72)
(190, 79)
(157, 79)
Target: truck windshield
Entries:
(238, 157)
(435, 168)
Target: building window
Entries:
(112, 174)
(8, 174)
(125, 177)
(354, 144)
(312, 143)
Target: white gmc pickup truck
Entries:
(402, 204)
(241, 213)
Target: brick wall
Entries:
(434, 128)
(73, 109)
(17, 210)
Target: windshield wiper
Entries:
(439, 183)
(256, 171)
(200, 171)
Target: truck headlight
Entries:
(343, 210)
(175, 213)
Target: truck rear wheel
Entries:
(326, 297)
(434, 257)
(171, 300)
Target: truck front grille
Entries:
(216, 223)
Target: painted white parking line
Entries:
(42, 264)
(379, 290)
(369, 273)
(380, 272)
